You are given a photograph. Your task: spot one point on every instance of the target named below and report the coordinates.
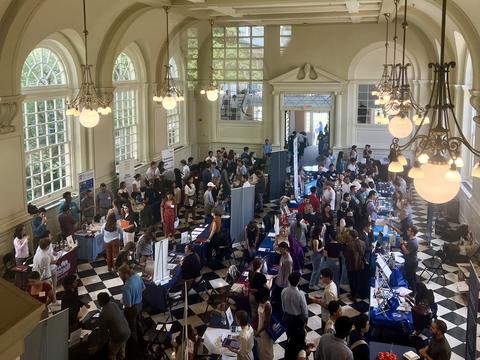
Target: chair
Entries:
(8, 265)
(158, 340)
(434, 266)
(214, 296)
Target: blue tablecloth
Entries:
(89, 246)
(308, 185)
(267, 243)
(386, 237)
(396, 279)
(400, 322)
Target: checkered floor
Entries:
(451, 305)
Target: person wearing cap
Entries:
(208, 201)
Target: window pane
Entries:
(366, 108)
(42, 68)
(125, 124)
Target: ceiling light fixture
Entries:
(402, 100)
(169, 94)
(87, 104)
(212, 91)
(435, 176)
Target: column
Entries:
(337, 128)
(277, 121)
(475, 102)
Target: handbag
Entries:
(276, 328)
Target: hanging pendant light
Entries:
(382, 89)
(436, 177)
(212, 91)
(169, 94)
(87, 104)
(390, 106)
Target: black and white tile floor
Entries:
(452, 309)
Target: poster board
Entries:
(296, 185)
(242, 205)
(86, 181)
(126, 172)
(472, 314)
(160, 270)
(277, 174)
(168, 158)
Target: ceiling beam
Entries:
(353, 6)
(303, 9)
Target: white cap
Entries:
(210, 184)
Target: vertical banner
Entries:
(126, 172)
(168, 159)
(296, 186)
(472, 313)
(86, 182)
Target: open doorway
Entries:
(313, 129)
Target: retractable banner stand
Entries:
(49, 339)
(472, 313)
(277, 174)
(296, 185)
(168, 159)
(126, 172)
(86, 181)
(243, 202)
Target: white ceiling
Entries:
(274, 12)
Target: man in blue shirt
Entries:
(267, 148)
(39, 226)
(132, 299)
(68, 203)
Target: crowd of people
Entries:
(331, 227)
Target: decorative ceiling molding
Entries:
(9, 107)
(307, 73)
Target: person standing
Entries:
(314, 200)
(39, 226)
(294, 306)
(66, 222)
(335, 311)
(284, 270)
(190, 199)
(168, 214)
(354, 261)
(43, 263)
(438, 348)
(20, 244)
(299, 230)
(317, 256)
(357, 342)
(111, 235)
(208, 202)
(69, 204)
(132, 299)
(409, 249)
(334, 346)
(103, 200)
(113, 325)
(371, 207)
(267, 148)
(71, 301)
(152, 172)
(329, 294)
(128, 223)
(245, 338)
(87, 207)
(260, 189)
(328, 195)
(144, 248)
(185, 171)
(264, 311)
(340, 165)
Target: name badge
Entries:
(41, 294)
(109, 198)
(172, 206)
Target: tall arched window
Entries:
(173, 116)
(46, 133)
(125, 108)
(468, 126)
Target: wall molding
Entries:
(9, 107)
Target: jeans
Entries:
(132, 314)
(410, 275)
(334, 265)
(116, 350)
(317, 259)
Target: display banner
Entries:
(296, 185)
(126, 172)
(86, 181)
(168, 159)
(472, 314)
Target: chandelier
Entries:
(87, 105)
(169, 94)
(383, 88)
(212, 91)
(435, 174)
(402, 100)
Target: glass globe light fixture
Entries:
(435, 187)
(169, 102)
(416, 173)
(402, 160)
(89, 118)
(395, 167)
(476, 170)
(212, 94)
(423, 158)
(453, 175)
(400, 127)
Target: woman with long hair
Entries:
(144, 250)
(20, 244)
(168, 213)
(317, 256)
(111, 235)
(214, 237)
(128, 223)
(189, 198)
(296, 251)
(340, 165)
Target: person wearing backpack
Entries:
(358, 345)
(370, 207)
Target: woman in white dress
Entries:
(264, 310)
(189, 198)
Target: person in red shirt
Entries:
(301, 207)
(314, 199)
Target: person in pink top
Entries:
(20, 244)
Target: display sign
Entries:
(86, 182)
(168, 159)
(160, 271)
(126, 172)
(296, 186)
(472, 313)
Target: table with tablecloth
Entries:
(66, 264)
(387, 232)
(308, 186)
(90, 245)
(377, 347)
(199, 237)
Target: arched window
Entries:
(125, 108)
(173, 116)
(173, 68)
(468, 126)
(46, 132)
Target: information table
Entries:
(90, 245)
(66, 264)
(377, 347)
